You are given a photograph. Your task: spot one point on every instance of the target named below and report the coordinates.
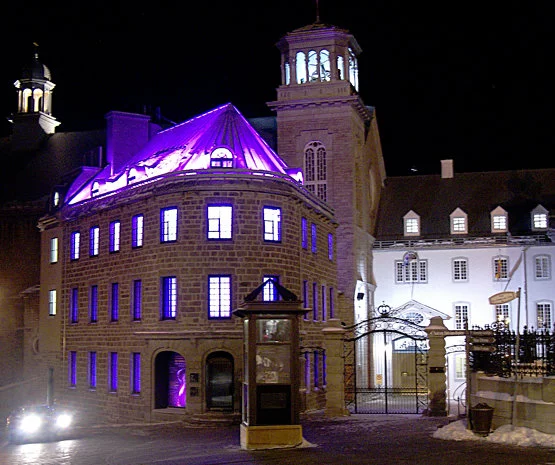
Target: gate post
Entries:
(437, 379)
(335, 375)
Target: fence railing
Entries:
(536, 353)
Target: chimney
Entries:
(446, 169)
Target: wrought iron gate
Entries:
(386, 366)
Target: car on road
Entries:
(38, 423)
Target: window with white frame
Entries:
(542, 267)
(544, 315)
(115, 228)
(539, 218)
(414, 271)
(272, 224)
(315, 169)
(460, 366)
(411, 224)
(219, 221)
(219, 296)
(461, 316)
(169, 298)
(94, 239)
(137, 231)
(168, 224)
(270, 292)
(459, 222)
(502, 313)
(499, 220)
(53, 250)
(460, 269)
(75, 245)
(52, 302)
(500, 268)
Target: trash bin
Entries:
(481, 416)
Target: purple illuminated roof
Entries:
(190, 146)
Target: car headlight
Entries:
(63, 420)
(30, 423)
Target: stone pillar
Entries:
(335, 374)
(437, 379)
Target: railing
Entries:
(536, 354)
(486, 241)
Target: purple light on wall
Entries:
(177, 382)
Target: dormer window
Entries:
(221, 158)
(411, 224)
(539, 218)
(95, 189)
(499, 220)
(459, 222)
(56, 199)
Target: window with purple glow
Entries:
(92, 370)
(114, 303)
(74, 246)
(168, 224)
(135, 373)
(221, 157)
(219, 221)
(313, 238)
(72, 368)
(137, 302)
(52, 302)
(270, 292)
(323, 299)
(54, 250)
(305, 297)
(94, 239)
(330, 246)
(74, 306)
(304, 233)
(272, 224)
(316, 369)
(177, 381)
(93, 304)
(307, 371)
(115, 228)
(219, 296)
(324, 369)
(113, 374)
(169, 298)
(314, 301)
(137, 231)
(331, 303)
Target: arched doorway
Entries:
(219, 381)
(170, 380)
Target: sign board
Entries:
(481, 348)
(482, 340)
(460, 332)
(502, 297)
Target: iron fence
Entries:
(536, 353)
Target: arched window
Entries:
(37, 100)
(312, 66)
(315, 169)
(221, 158)
(353, 70)
(301, 68)
(287, 70)
(325, 70)
(340, 67)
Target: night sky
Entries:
(471, 81)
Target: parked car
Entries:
(38, 423)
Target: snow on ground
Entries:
(506, 434)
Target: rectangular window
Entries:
(331, 303)
(460, 366)
(313, 238)
(219, 296)
(115, 228)
(323, 299)
(137, 302)
(411, 226)
(459, 224)
(307, 371)
(330, 246)
(137, 231)
(168, 224)
(54, 250)
(52, 302)
(74, 245)
(324, 369)
(113, 373)
(305, 297)
(92, 370)
(499, 222)
(500, 268)
(304, 233)
(545, 320)
(135, 373)
(502, 313)
(542, 267)
(461, 316)
(315, 301)
(169, 298)
(539, 220)
(93, 304)
(316, 370)
(220, 221)
(270, 292)
(460, 269)
(415, 271)
(272, 224)
(74, 306)
(72, 368)
(114, 303)
(94, 239)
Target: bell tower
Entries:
(33, 119)
(325, 130)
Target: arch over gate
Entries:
(219, 381)
(386, 366)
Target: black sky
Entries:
(471, 81)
